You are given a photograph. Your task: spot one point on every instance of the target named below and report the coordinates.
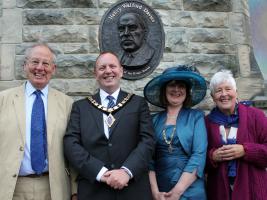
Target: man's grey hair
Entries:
(221, 77)
(43, 44)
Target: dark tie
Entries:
(38, 134)
(111, 103)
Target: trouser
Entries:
(32, 188)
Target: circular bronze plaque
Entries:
(133, 31)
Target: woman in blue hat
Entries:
(177, 171)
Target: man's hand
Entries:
(104, 177)
(117, 178)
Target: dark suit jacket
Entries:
(131, 144)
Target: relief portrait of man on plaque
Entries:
(133, 31)
(136, 51)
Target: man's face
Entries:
(39, 66)
(131, 32)
(108, 72)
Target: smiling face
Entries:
(175, 93)
(225, 97)
(108, 72)
(39, 66)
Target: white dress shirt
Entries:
(104, 102)
(26, 167)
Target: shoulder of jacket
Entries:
(195, 111)
(11, 91)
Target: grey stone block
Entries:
(208, 5)
(167, 5)
(75, 66)
(55, 33)
(77, 3)
(48, 17)
(209, 35)
(38, 4)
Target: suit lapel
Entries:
(19, 106)
(98, 115)
(52, 110)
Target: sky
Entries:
(258, 16)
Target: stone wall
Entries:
(209, 34)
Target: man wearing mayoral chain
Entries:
(109, 139)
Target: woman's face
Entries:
(175, 93)
(225, 97)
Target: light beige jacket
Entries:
(12, 140)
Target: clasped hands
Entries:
(171, 195)
(117, 178)
(228, 152)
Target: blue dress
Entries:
(188, 153)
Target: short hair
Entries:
(42, 44)
(221, 77)
(188, 99)
(106, 52)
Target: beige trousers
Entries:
(32, 188)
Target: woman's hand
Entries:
(159, 196)
(232, 151)
(228, 152)
(173, 195)
(217, 155)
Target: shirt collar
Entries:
(29, 89)
(103, 94)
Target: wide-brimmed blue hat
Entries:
(189, 74)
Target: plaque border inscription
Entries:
(109, 36)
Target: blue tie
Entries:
(111, 103)
(38, 134)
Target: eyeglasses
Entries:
(37, 62)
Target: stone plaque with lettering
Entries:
(133, 31)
